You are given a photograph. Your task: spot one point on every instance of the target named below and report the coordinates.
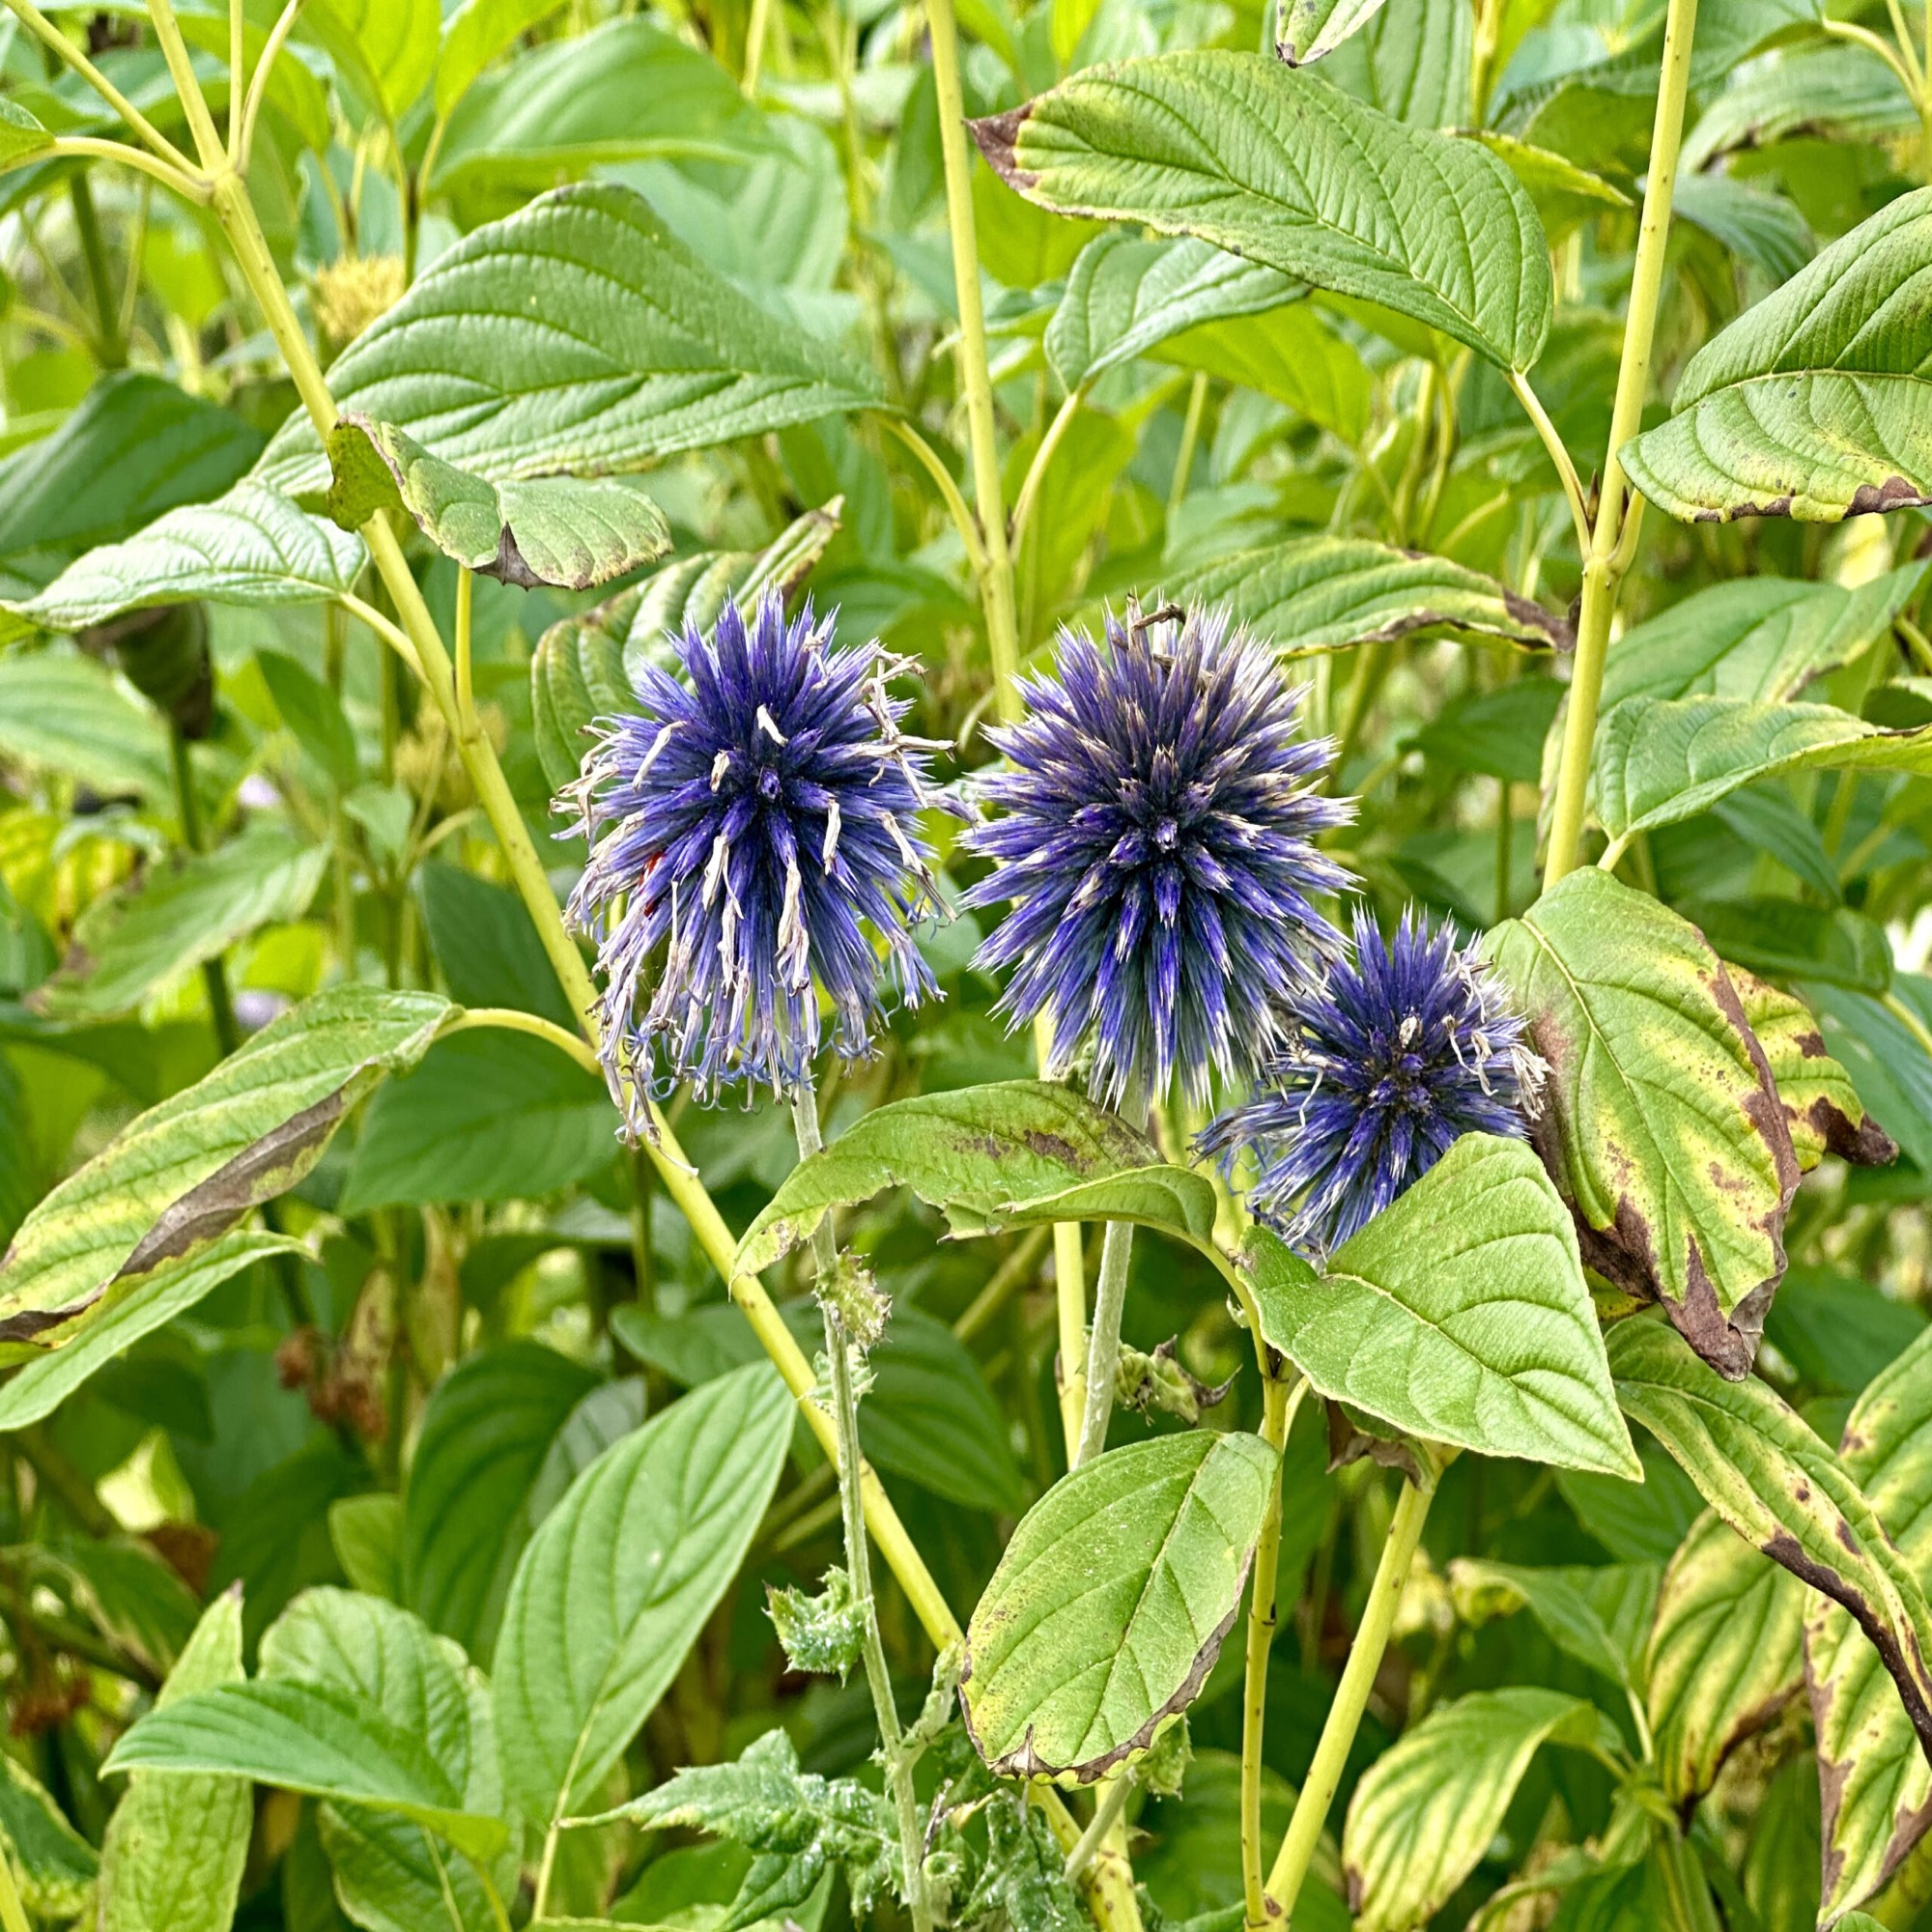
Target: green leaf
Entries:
(1756, 225)
(931, 1416)
(367, 1534)
(486, 1434)
(1289, 172)
(314, 715)
(1109, 1607)
(614, 345)
(178, 913)
(252, 547)
(1764, 1471)
(1824, 90)
(582, 667)
(1660, 761)
(490, 952)
(116, 1322)
(1459, 1314)
(175, 1847)
(1011, 1155)
(487, 1115)
(1840, 1332)
(1886, 1062)
(135, 447)
(563, 108)
(1291, 354)
(1659, 1121)
(1425, 1811)
(185, 1172)
(1873, 1765)
(21, 137)
(617, 1584)
(1312, 28)
(1411, 61)
(1565, 195)
(1127, 295)
(473, 34)
(1794, 940)
(1761, 638)
(71, 713)
(389, 46)
(575, 533)
(1324, 593)
(53, 1866)
(1726, 1654)
(1500, 732)
(1815, 404)
(301, 1737)
(1821, 1106)
(1561, 1600)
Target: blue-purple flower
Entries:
(1156, 841)
(753, 829)
(1388, 1060)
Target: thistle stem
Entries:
(1605, 564)
(1113, 1801)
(1345, 1714)
(858, 1555)
(1103, 1345)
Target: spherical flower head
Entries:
(1390, 1059)
(757, 820)
(1155, 837)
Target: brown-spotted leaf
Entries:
(1661, 1122)
(186, 1171)
(1872, 1772)
(1821, 1106)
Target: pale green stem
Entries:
(13, 1914)
(1103, 1342)
(858, 1553)
(1036, 470)
(180, 67)
(1112, 1802)
(755, 33)
(54, 39)
(1351, 1700)
(1602, 575)
(258, 88)
(1190, 440)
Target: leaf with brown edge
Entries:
(1660, 1124)
(1873, 1772)
(186, 1171)
(572, 531)
(1109, 1607)
(1821, 1105)
(1725, 1657)
(1757, 1463)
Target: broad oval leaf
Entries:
(615, 1587)
(1872, 1762)
(178, 913)
(1815, 404)
(305, 1737)
(1600, 1618)
(186, 1171)
(1127, 294)
(1821, 1106)
(1459, 1314)
(71, 714)
(1761, 638)
(1725, 1657)
(1005, 1155)
(1659, 760)
(612, 345)
(252, 547)
(1762, 1470)
(1324, 593)
(1427, 1808)
(486, 1434)
(1312, 28)
(1287, 171)
(575, 533)
(1109, 1607)
(1659, 1121)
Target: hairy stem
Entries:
(858, 1555)
(1605, 564)
(1345, 1714)
(1103, 1345)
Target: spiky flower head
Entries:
(1389, 1060)
(1155, 842)
(757, 820)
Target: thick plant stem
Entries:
(1278, 1411)
(858, 1553)
(1345, 1714)
(1103, 1347)
(1605, 566)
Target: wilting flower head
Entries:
(758, 819)
(1389, 1062)
(1155, 842)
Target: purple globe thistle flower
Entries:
(1156, 845)
(1388, 1060)
(758, 819)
